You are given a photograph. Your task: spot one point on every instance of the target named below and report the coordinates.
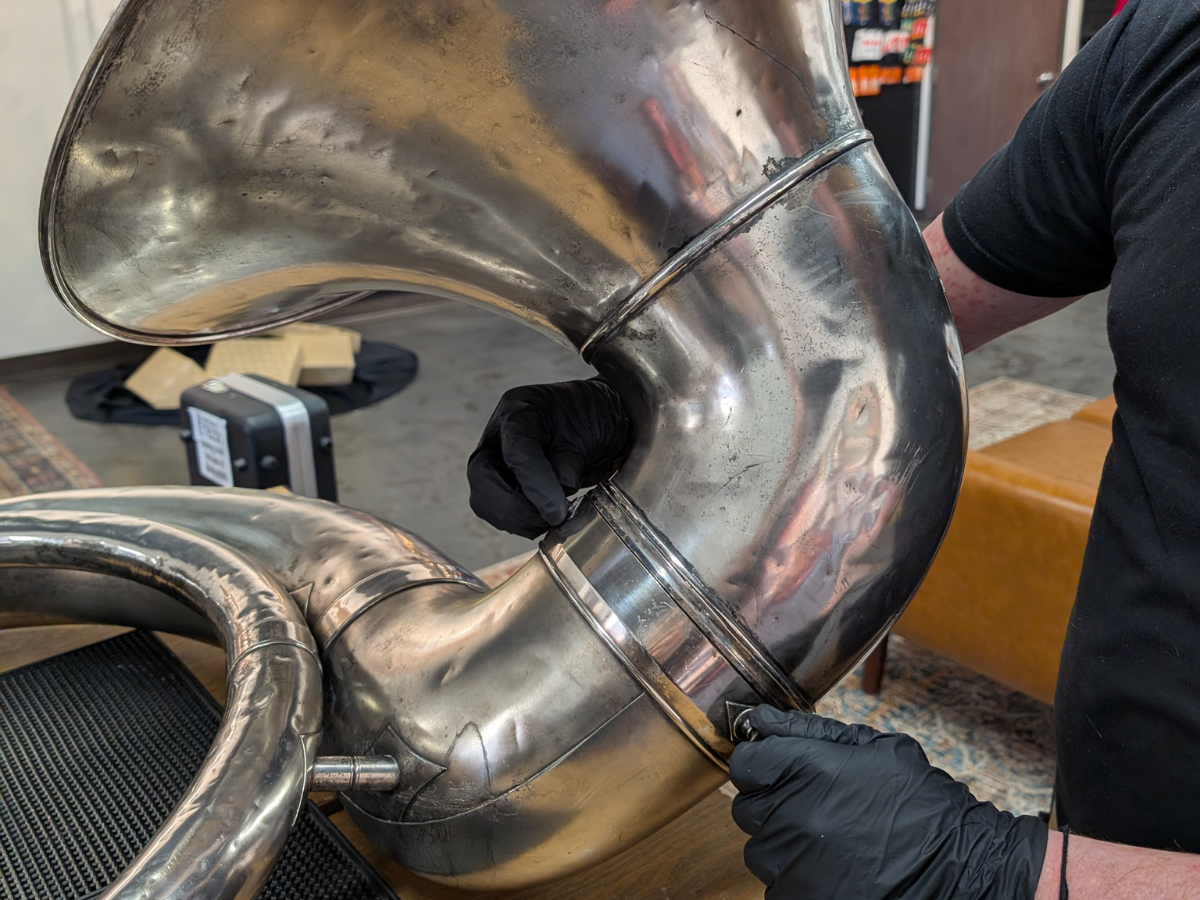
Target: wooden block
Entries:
(328, 357)
(301, 328)
(277, 358)
(165, 375)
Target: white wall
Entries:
(1071, 33)
(43, 46)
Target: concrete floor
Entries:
(404, 459)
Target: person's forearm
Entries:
(981, 310)
(1100, 871)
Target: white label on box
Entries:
(211, 437)
(868, 45)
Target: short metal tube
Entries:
(354, 773)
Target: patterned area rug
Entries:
(1004, 407)
(32, 461)
(998, 741)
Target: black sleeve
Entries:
(1035, 219)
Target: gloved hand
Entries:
(543, 443)
(843, 811)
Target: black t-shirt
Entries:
(1102, 184)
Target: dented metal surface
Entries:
(255, 777)
(509, 722)
(684, 192)
(227, 165)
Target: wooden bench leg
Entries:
(872, 677)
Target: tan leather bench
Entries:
(999, 593)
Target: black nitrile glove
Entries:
(543, 443)
(843, 811)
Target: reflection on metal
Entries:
(697, 248)
(678, 707)
(254, 778)
(379, 586)
(685, 192)
(355, 773)
(732, 640)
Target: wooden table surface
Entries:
(697, 857)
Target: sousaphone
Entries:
(682, 191)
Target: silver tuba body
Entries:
(684, 192)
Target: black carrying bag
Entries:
(380, 370)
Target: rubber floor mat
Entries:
(96, 748)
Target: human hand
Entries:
(543, 443)
(844, 812)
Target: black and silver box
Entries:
(249, 431)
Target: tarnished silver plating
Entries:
(257, 771)
(684, 192)
(717, 232)
(727, 635)
(640, 662)
(354, 773)
(380, 586)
